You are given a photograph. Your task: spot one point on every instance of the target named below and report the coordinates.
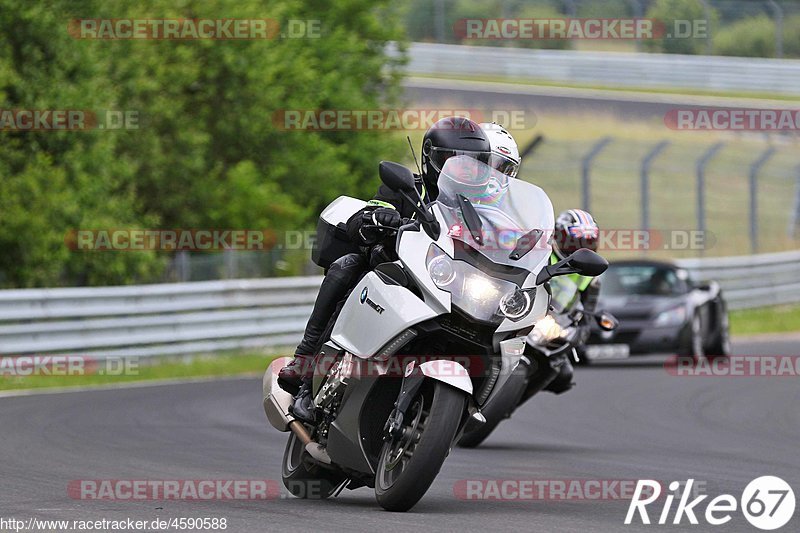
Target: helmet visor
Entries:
(504, 164)
(439, 156)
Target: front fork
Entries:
(393, 429)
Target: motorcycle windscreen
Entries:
(516, 217)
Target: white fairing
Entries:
(412, 248)
(448, 372)
(511, 211)
(341, 209)
(362, 329)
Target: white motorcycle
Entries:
(421, 344)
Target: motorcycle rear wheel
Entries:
(307, 481)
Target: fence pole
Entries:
(701, 187)
(755, 168)
(647, 162)
(709, 38)
(587, 163)
(778, 11)
(438, 18)
(638, 13)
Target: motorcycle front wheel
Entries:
(408, 465)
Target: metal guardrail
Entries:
(713, 73)
(752, 280)
(163, 319)
(202, 317)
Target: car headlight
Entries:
(671, 317)
(479, 295)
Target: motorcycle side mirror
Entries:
(397, 177)
(607, 321)
(584, 262)
(587, 262)
(401, 180)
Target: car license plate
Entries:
(608, 351)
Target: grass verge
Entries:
(777, 319)
(145, 369)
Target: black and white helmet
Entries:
(449, 137)
(505, 153)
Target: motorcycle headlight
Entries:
(441, 270)
(479, 295)
(545, 330)
(515, 305)
(671, 317)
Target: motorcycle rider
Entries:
(575, 229)
(505, 154)
(371, 228)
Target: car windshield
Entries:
(515, 217)
(649, 280)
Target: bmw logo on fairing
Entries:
(364, 293)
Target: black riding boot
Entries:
(341, 277)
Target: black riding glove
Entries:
(387, 217)
(367, 227)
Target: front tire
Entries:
(408, 465)
(721, 348)
(692, 339)
(304, 480)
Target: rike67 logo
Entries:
(767, 502)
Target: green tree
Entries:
(749, 37)
(666, 12)
(207, 152)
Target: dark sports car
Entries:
(660, 309)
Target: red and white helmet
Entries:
(574, 229)
(505, 153)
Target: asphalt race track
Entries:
(624, 421)
(625, 105)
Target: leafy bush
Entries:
(667, 12)
(207, 153)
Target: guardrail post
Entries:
(647, 162)
(754, 170)
(794, 223)
(701, 186)
(230, 259)
(183, 266)
(586, 165)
